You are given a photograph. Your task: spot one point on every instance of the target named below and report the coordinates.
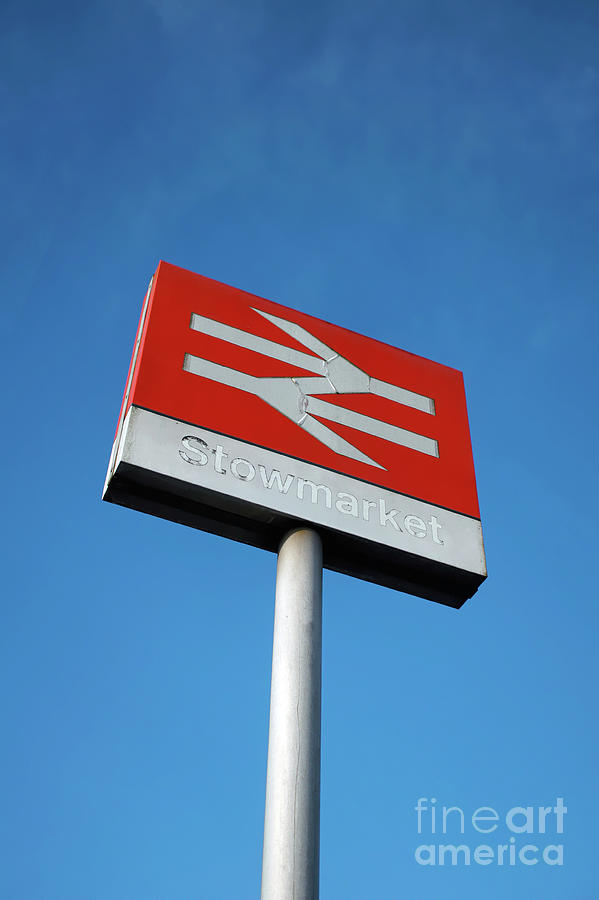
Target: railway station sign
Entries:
(244, 418)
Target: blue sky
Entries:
(425, 173)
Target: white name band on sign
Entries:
(221, 470)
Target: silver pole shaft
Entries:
(290, 861)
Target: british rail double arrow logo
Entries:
(294, 397)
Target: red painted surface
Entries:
(160, 384)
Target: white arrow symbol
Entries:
(292, 396)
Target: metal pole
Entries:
(290, 860)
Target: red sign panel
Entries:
(219, 358)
